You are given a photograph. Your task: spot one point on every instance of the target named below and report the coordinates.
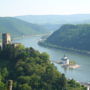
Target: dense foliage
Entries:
(72, 36)
(31, 70)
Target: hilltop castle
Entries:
(6, 40)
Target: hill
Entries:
(51, 27)
(31, 70)
(18, 27)
(56, 19)
(72, 37)
(53, 22)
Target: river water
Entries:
(81, 74)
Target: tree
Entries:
(24, 86)
(4, 72)
(2, 86)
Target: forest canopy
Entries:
(31, 70)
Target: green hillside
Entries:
(54, 22)
(18, 27)
(31, 70)
(72, 37)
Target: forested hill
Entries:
(72, 36)
(53, 22)
(31, 70)
(18, 27)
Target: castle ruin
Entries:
(6, 39)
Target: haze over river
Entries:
(81, 74)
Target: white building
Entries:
(88, 88)
(65, 60)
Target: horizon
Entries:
(49, 14)
(12, 8)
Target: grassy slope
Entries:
(19, 27)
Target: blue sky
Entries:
(43, 7)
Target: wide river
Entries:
(81, 74)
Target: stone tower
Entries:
(6, 39)
(10, 85)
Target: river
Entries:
(81, 74)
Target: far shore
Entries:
(23, 36)
(43, 43)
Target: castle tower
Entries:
(10, 85)
(6, 39)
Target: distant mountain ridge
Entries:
(56, 19)
(71, 36)
(18, 27)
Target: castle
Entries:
(6, 40)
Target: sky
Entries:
(43, 7)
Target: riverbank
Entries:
(23, 36)
(46, 34)
(45, 44)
